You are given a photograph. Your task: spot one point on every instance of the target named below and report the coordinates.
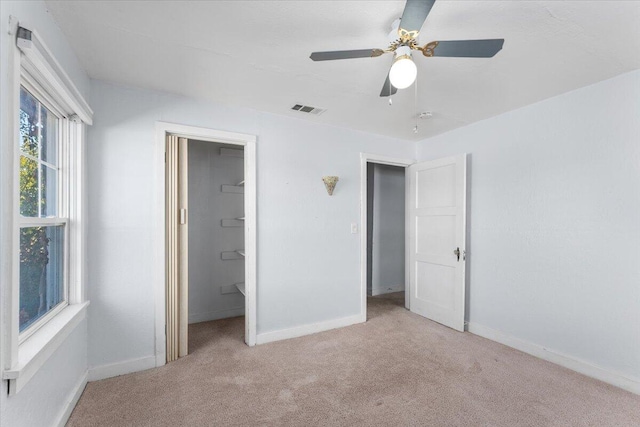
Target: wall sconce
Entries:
(330, 182)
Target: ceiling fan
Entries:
(403, 40)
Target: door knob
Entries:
(457, 253)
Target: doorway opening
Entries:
(216, 256)
(208, 200)
(435, 237)
(383, 218)
(385, 236)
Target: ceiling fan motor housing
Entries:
(394, 35)
(403, 51)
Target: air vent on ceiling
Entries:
(307, 109)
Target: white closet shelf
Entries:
(240, 219)
(240, 287)
(232, 152)
(231, 255)
(237, 189)
(241, 252)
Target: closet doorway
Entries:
(385, 229)
(216, 231)
(383, 218)
(209, 234)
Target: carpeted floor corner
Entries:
(398, 369)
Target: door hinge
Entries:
(183, 216)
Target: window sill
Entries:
(35, 351)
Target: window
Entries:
(45, 115)
(43, 214)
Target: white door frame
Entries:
(250, 237)
(366, 158)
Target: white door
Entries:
(436, 227)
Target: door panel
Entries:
(435, 234)
(435, 283)
(436, 187)
(436, 224)
(176, 261)
(183, 248)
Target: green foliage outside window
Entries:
(34, 241)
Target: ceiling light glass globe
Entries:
(403, 72)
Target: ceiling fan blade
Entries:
(388, 89)
(464, 48)
(346, 54)
(414, 15)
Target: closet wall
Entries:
(216, 236)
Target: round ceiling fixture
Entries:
(403, 71)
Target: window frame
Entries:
(30, 63)
(62, 200)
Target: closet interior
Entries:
(216, 231)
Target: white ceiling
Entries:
(256, 54)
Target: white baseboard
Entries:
(161, 359)
(387, 290)
(313, 328)
(614, 378)
(122, 368)
(215, 315)
(71, 402)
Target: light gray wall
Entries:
(208, 206)
(308, 261)
(554, 222)
(387, 250)
(46, 395)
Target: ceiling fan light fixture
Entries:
(403, 72)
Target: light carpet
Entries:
(397, 369)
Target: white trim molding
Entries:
(35, 351)
(40, 63)
(250, 224)
(366, 158)
(9, 108)
(122, 368)
(387, 289)
(313, 328)
(71, 402)
(586, 368)
(30, 63)
(215, 315)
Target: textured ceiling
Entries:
(256, 54)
